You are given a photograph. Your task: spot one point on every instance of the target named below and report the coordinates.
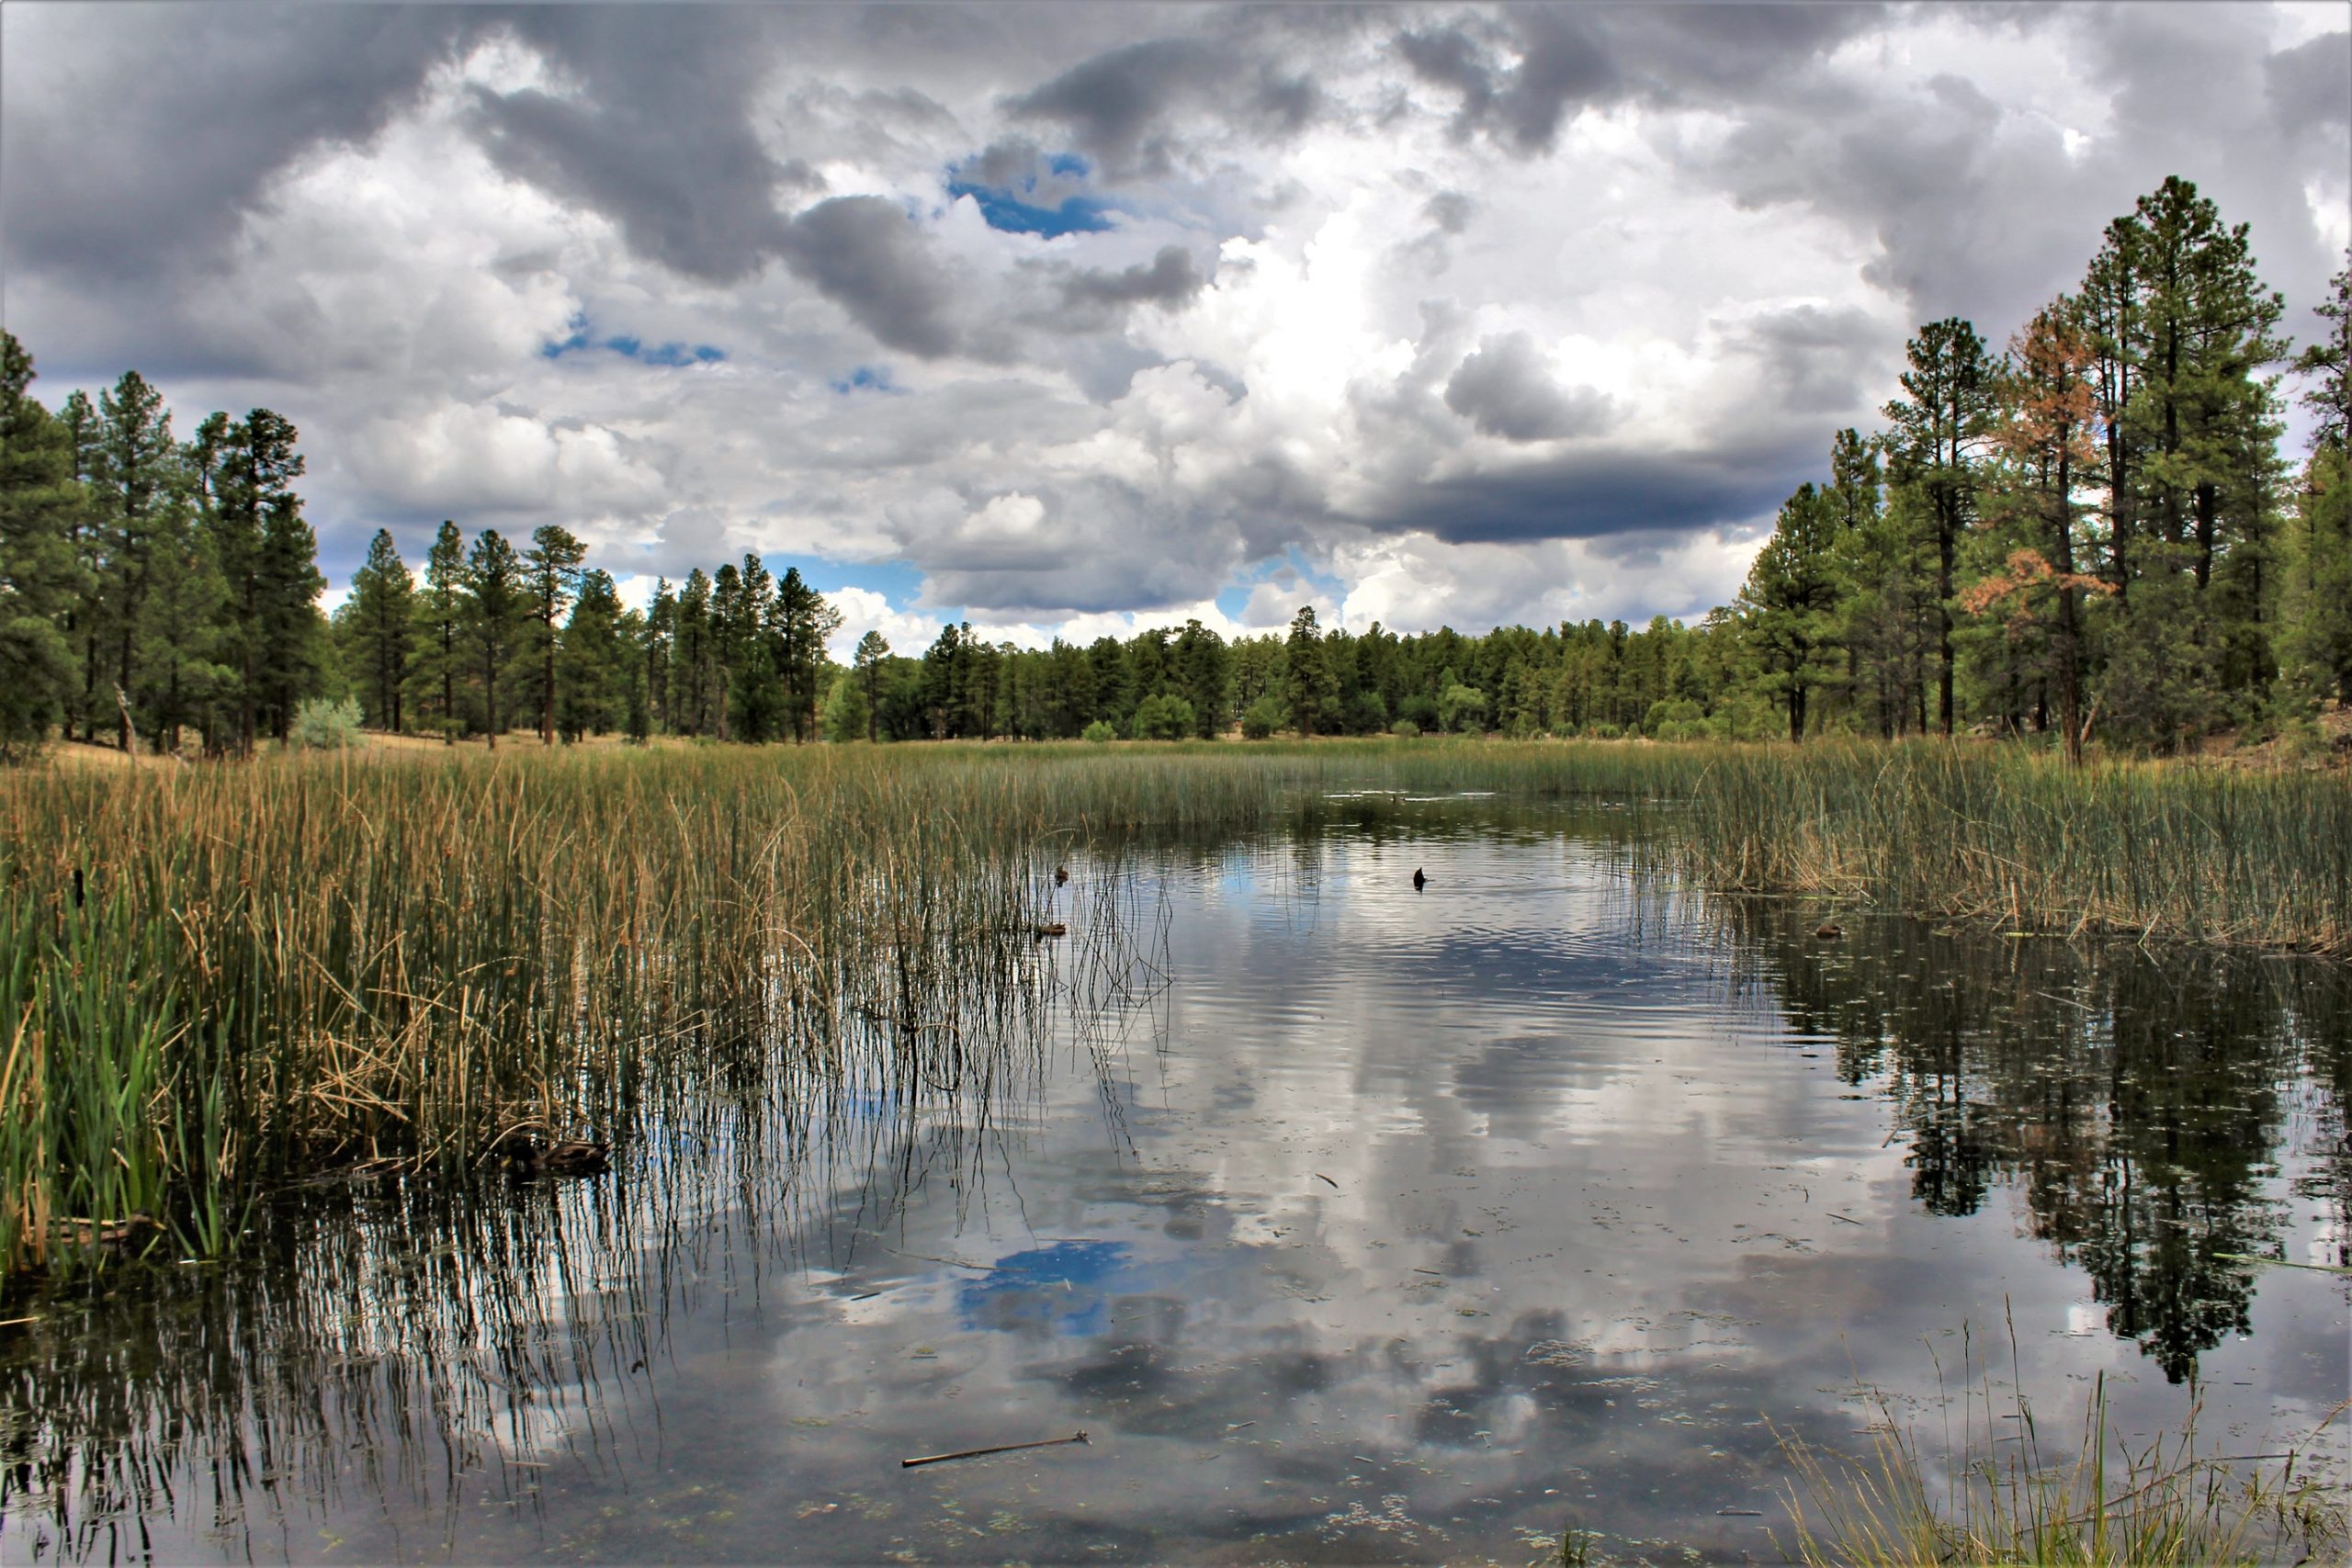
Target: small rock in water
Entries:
(1829, 931)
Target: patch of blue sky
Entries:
(1003, 211)
(1293, 570)
(867, 378)
(1064, 1286)
(1013, 210)
(666, 354)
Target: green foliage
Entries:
(1460, 709)
(378, 625)
(1098, 732)
(325, 723)
(39, 507)
(1263, 716)
(847, 713)
(1405, 729)
(1163, 718)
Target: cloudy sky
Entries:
(1078, 317)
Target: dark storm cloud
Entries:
(2311, 84)
(1817, 360)
(1504, 389)
(1172, 278)
(1114, 105)
(866, 256)
(1591, 495)
(174, 120)
(1569, 57)
(661, 141)
(1122, 107)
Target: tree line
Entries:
(2092, 530)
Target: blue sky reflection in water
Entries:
(1351, 1224)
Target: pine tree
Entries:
(1204, 678)
(290, 638)
(1308, 684)
(1936, 434)
(267, 561)
(2317, 642)
(802, 622)
(440, 612)
(2046, 442)
(2197, 441)
(39, 502)
(137, 467)
(181, 680)
(2328, 361)
(872, 650)
(382, 630)
(552, 568)
(1786, 604)
(657, 641)
(691, 660)
(597, 665)
(84, 624)
(498, 610)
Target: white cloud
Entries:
(1704, 270)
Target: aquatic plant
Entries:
(2166, 850)
(2003, 1499)
(213, 979)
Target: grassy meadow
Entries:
(214, 980)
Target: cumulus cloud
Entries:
(866, 256)
(1441, 313)
(1506, 389)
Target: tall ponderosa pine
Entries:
(268, 560)
(552, 567)
(1309, 683)
(498, 611)
(2194, 465)
(83, 625)
(2047, 440)
(2317, 587)
(137, 469)
(181, 680)
(1788, 601)
(40, 503)
(382, 613)
(800, 623)
(1937, 433)
(441, 610)
(867, 661)
(598, 670)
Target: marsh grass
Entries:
(1995, 1494)
(2163, 851)
(217, 980)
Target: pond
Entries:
(1350, 1221)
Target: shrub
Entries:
(1098, 732)
(324, 724)
(1462, 707)
(1405, 729)
(1262, 717)
(1163, 718)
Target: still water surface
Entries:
(1350, 1222)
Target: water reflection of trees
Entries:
(2142, 1103)
(414, 1348)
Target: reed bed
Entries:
(215, 980)
(2166, 851)
(1996, 1495)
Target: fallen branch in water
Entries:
(999, 1448)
